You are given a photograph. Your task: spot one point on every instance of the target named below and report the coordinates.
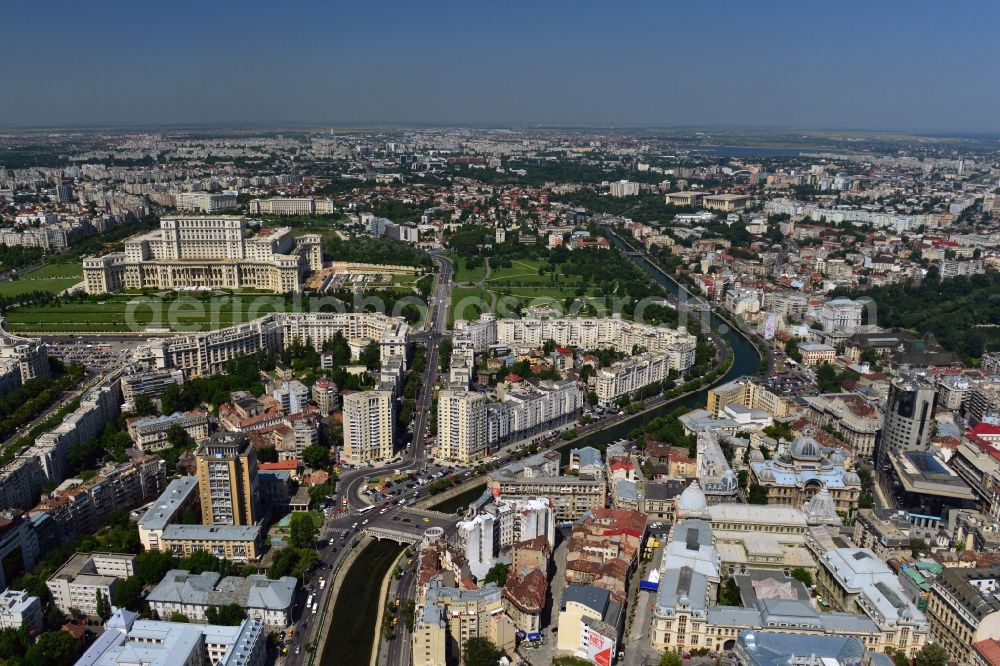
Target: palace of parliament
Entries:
(206, 252)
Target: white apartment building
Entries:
(537, 327)
(204, 202)
(527, 409)
(623, 188)
(369, 424)
(517, 520)
(21, 360)
(18, 609)
(628, 375)
(150, 384)
(841, 314)
(206, 252)
(293, 396)
(880, 220)
(179, 496)
(45, 461)
(77, 583)
(283, 206)
(461, 426)
(476, 538)
(207, 353)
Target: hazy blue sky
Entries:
(872, 64)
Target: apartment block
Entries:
(571, 496)
(450, 616)
(204, 202)
(77, 583)
(628, 375)
(21, 360)
(150, 384)
(18, 609)
(227, 480)
(202, 354)
(229, 542)
(81, 506)
(369, 426)
(150, 433)
(176, 643)
(181, 496)
(19, 548)
(461, 426)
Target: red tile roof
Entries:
(985, 429)
(290, 465)
(989, 649)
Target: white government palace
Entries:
(216, 252)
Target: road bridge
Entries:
(408, 525)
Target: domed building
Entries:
(716, 477)
(692, 503)
(800, 472)
(821, 509)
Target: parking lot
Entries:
(99, 354)
(791, 383)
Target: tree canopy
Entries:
(479, 651)
(954, 310)
(302, 531)
(931, 654)
(230, 615)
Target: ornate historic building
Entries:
(795, 475)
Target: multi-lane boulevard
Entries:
(415, 457)
(343, 519)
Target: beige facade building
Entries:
(963, 609)
(571, 496)
(726, 202)
(461, 426)
(684, 198)
(855, 580)
(817, 353)
(283, 206)
(227, 480)
(229, 542)
(150, 433)
(869, 603)
(451, 616)
(206, 252)
(21, 360)
(857, 420)
(748, 393)
(369, 426)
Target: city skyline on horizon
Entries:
(892, 68)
